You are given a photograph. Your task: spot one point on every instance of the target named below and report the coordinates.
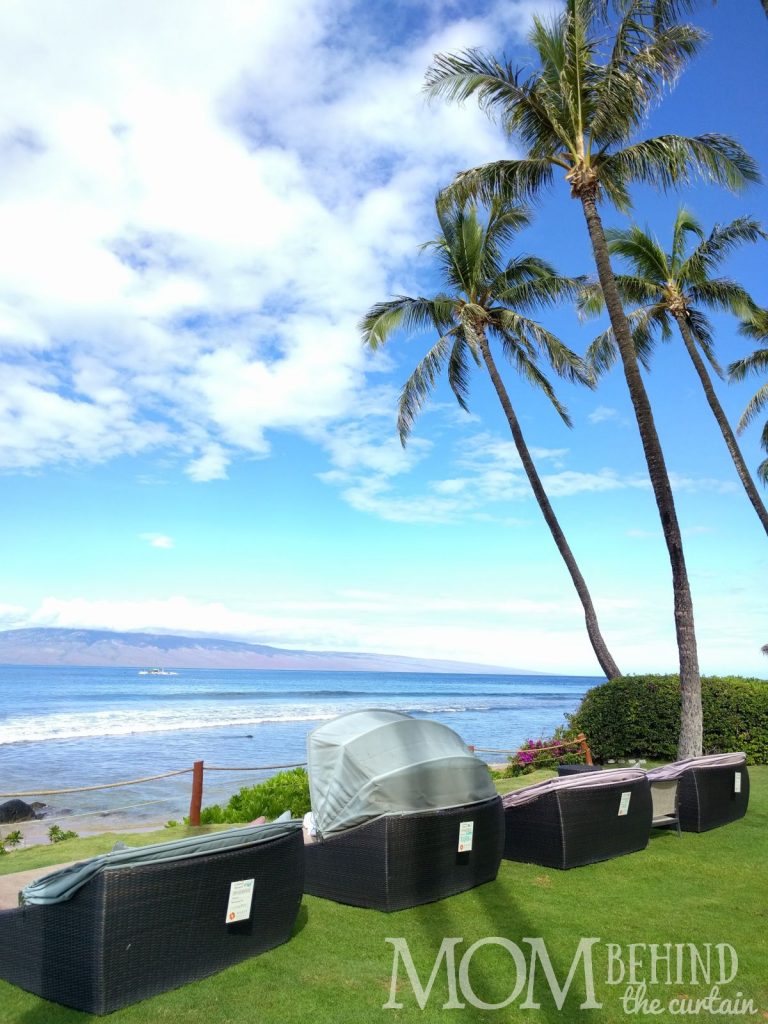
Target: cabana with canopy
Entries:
(405, 813)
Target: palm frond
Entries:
(515, 180)
(685, 224)
(672, 160)
(529, 371)
(644, 60)
(512, 328)
(756, 326)
(755, 362)
(701, 331)
(646, 324)
(634, 290)
(459, 372)
(602, 353)
(528, 282)
(721, 293)
(590, 301)
(757, 403)
(406, 313)
(641, 250)
(505, 220)
(420, 384)
(474, 72)
(723, 239)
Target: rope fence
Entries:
(106, 785)
(580, 741)
(199, 768)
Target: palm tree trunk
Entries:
(691, 719)
(722, 421)
(603, 655)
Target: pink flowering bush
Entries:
(533, 755)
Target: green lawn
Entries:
(708, 888)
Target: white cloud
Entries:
(695, 485)
(12, 616)
(191, 227)
(157, 540)
(517, 629)
(571, 482)
(210, 465)
(602, 413)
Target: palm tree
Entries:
(678, 286)
(757, 362)
(486, 300)
(577, 113)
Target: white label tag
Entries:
(466, 830)
(240, 896)
(737, 782)
(624, 803)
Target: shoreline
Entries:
(35, 832)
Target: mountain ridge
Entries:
(100, 648)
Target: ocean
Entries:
(69, 727)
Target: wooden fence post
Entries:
(197, 793)
(585, 747)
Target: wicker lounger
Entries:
(568, 827)
(134, 931)
(712, 790)
(402, 860)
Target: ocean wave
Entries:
(47, 729)
(65, 726)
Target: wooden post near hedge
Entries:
(582, 739)
(197, 793)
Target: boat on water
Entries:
(157, 672)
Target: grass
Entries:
(708, 888)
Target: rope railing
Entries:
(579, 741)
(250, 768)
(199, 768)
(89, 789)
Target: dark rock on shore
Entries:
(16, 810)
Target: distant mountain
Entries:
(101, 648)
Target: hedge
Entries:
(639, 716)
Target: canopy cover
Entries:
(368, 763)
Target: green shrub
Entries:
(286, 791)
(56, 834)
(14, 838)
(639, 716)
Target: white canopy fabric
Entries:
(373, 762)
(588, 780)
(673, 771)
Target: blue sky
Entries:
(194, 214)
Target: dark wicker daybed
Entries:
(712, 790)
(405, 813)
(403, 860)
(131, 930)
(580, 819)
